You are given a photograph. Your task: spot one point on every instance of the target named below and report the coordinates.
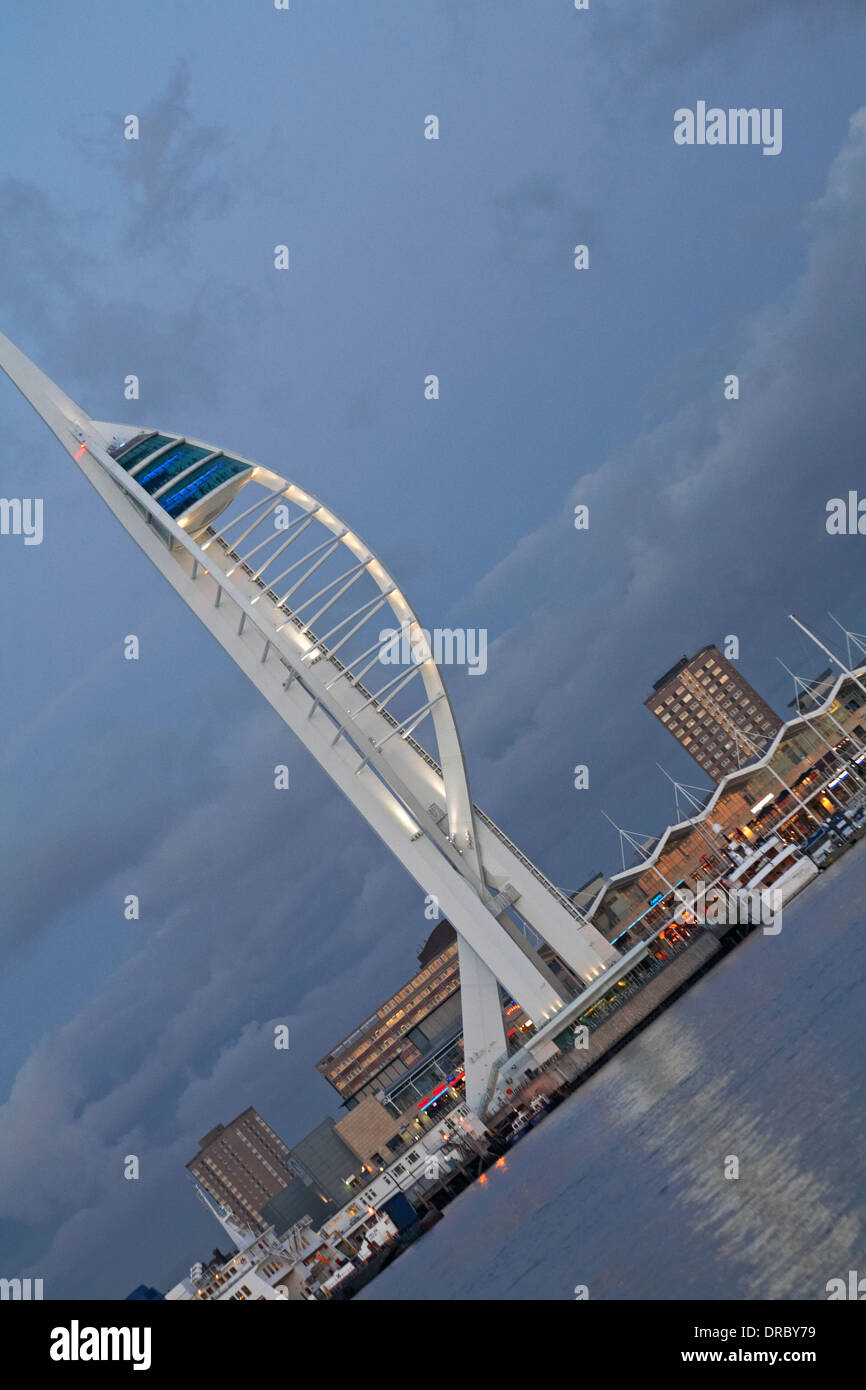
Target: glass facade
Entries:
(200, 483)
(418, 1085)
(390, 1041)
(153, 476)
(134, 453)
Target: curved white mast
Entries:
(286, 644)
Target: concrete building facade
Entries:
(712, 711)
(243, 1165)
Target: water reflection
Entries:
(777, 1200)
(623, 1187)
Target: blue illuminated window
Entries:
(129, 457)
(154, 475)
(200, 483)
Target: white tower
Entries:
(302, 619)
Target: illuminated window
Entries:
(199, 483)
(153, 476)
(129, 457)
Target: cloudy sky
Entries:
(558, 387)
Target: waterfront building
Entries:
(244, 1164)
(814, 766)
(373, 1133)
(713, 712)
(404, 1064)
(391, 1041)
(325, 1155)
(294, 1203)
(429, 1156)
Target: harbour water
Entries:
(623, 1188)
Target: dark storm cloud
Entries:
(536, 217)
(234, 907)
(42, 260)
(713, 523)
(54, 263)
(263, 907)
(674, 32)
(173, 167)
(251, 926)
(71, 313)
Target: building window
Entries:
(204, 480)
(129, 457)
(153, 476)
